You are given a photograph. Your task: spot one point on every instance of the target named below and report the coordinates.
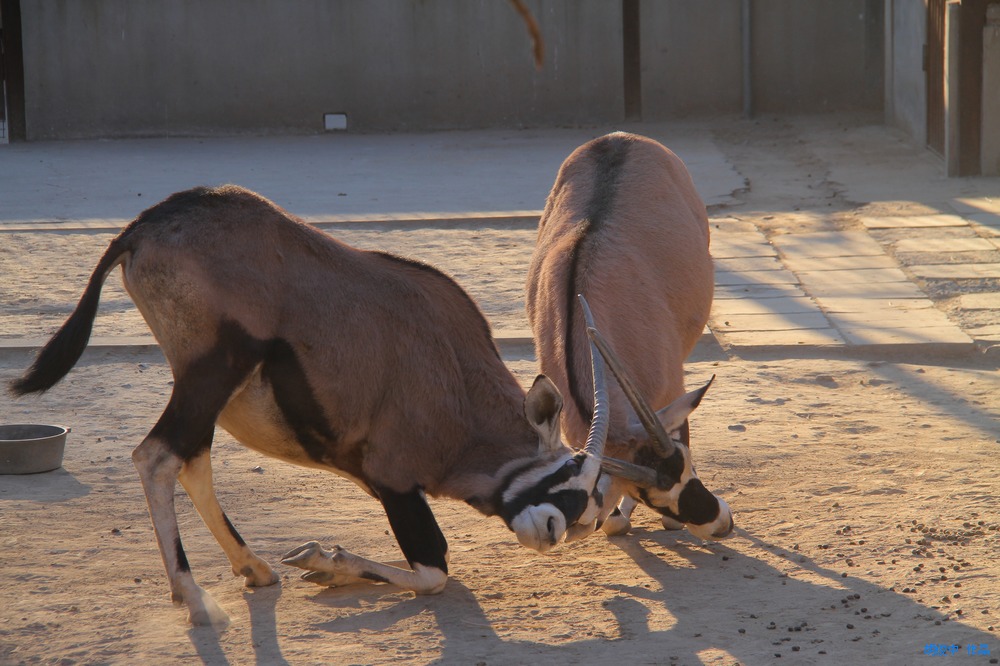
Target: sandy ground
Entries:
(865, 496)
(865, 492)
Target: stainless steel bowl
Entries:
(31, 448)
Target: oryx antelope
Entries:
(624, 226)
(362, 363)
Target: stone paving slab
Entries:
(731, 225)
(799, 263)
(823, 337)
(885, 290)
(819, 280)
(971, 244)
(859, 297)
(736, 264)
(988, 333)
(987, 301)
(827, 244)
(770, 321)
(969, 205)
(989, 221)
(870, 336)
(914, 222)
(854, 304)
(782, 305)
(758, 292)
(916, 319)
(741, 245)
(754, 278)
(957, 271)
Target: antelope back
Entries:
(624, 226)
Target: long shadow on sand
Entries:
(804, 611)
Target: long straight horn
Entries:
(644, 477)
(598, 434)
(646, 415)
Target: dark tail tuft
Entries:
(62, 352)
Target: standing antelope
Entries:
(624, 226)
(365, 364)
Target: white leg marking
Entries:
(158, 469)
(578, 531)
(620, 525)
(671, 524)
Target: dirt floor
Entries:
(865, 493)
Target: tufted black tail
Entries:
(62, 352)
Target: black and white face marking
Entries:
(544, 500)
(682, 496)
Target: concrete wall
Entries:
(154, 68)
(906, 90)
(816, 56)
(147, 67)
(691, 58)
(806, 57)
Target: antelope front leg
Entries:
(337, 567)
(329, 568)
(419, 538)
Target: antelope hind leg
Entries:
(196, 477)
(158, 469)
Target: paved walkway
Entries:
(827, 288)
(861, 285)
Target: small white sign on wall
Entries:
(335, 122)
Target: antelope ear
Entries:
(542, 407)
(675, 414)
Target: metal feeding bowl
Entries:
(29, 449)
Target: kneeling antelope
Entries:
(624, 226)
(374, 367)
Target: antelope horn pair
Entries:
(644, 477)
